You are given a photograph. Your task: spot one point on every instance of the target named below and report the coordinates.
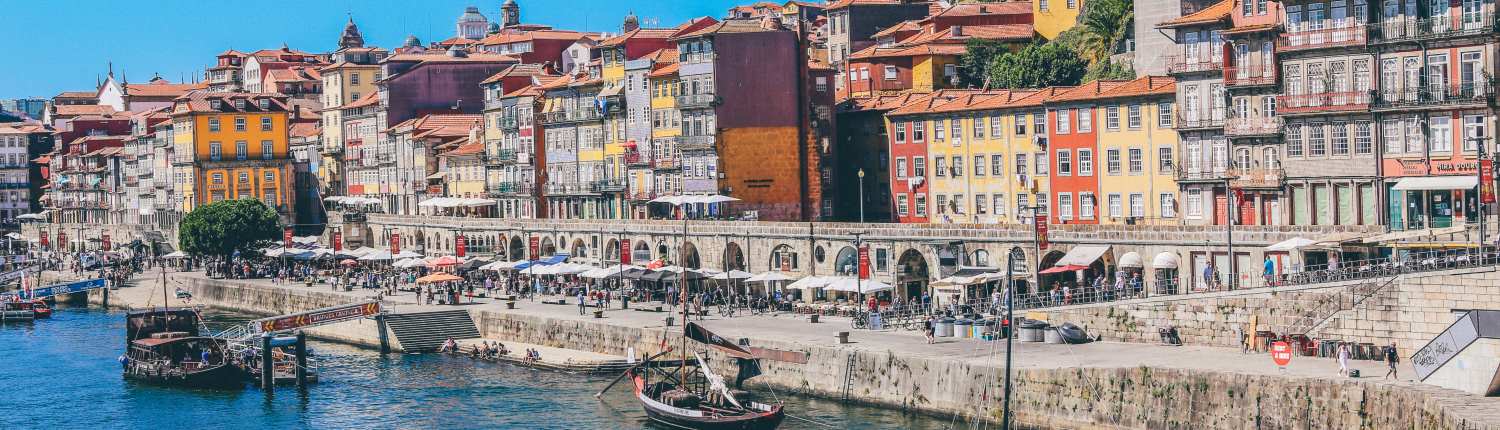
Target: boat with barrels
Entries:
(166, 347)
(688, 394)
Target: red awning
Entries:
(630, 143)
(1061, 269)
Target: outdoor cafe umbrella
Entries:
(732, 274)
(380, 255)
(444, 261)
(438, 277)
(853, 285)
(407, 254)
(349, 262)
(769, 277)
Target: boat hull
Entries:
(699, 419)
(217, 377)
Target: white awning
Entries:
(1132, 260)
(1082, 255)
(438, 175)
(1292, 244)
(1165, 260)
(1433, 183)
(1414, 234)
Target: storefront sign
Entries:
(1039, 217)
(320, 316)
(535, 244)
(460, 245)
(104, 241)
(624, 252)
(864, 262)
(395, 243)
(1281, 353)
(1424, 168)
(338, 241)
(1487, 181)
(286, 237)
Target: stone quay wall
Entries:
(1139, 397)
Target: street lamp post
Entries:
(1010, 293)
(861, 175)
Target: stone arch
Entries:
(1046, 280)
(421, 240)
(912, 274)
(784, 258)
(517, 249)
(734, 257)
(690, 256)
(641, 253)
(502, 248)
(979, 258)
(611, 252)
(662, 250)
(846, 262)
(547, 248)
(579, 249)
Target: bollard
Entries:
(385, 340)
(105, 299)
(301, 359)
(267, 368)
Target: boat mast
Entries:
(682, 284)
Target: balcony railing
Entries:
(1257, 178)
(1437, 27)
(1353, 35)
(636, 159)
(1217, 174)
(1323, 102)
(608, 186)
(1253, 126)
(689, 143)
(642, 196)
(575, 115)
(695, 100)
(505, 156)
(1180, 63)
(666, 163)
(510, 188)
(1437, 95)
(1249, 76)
(569, 188)
(1212, 119)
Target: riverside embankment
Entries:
(1101, 385)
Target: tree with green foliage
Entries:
(1109, 69)
(1038, 65)
(1103, 29)
(221, 228)
(979, 56)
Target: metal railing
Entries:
(636, 158)
(666, 163)
(574, 115)
(1258, 126)
(1257, 178)
(1437, 27)
(689, 143)
(607, 186)
(695, 100)
(1183, 174)
(1436, 95)
(1210, 119)
(1250, 75)
(1350, 35)
(1323, 102)
(1182, 63)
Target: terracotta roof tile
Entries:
(77, 95)
(1216, 13)
(76, 110)
(978, 9)
(666, 70)
(161, 88)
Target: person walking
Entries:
(581, 303)
(927, 328)
(1390, 362)
(1343, 359)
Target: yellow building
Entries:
(659, 171)
(1052, 17)
(351, 77)
(464, 168)
(1137, 148)
(233, 145)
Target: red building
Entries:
(1071, 131)
(908, 161)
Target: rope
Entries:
(825, 425)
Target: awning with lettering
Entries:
(1082, 255)
(1433, 183)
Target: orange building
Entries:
(232, 146)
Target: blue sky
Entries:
(53, 46)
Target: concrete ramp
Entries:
(426, 331)
(1464, 357)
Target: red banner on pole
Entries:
(338, 241)
(1040, 219)
(46, 241)
(864, 262)
(286, 237)
(1486, 181)
(535, 243)
(62, 239)
(104, 241)
(624, 252)
(395, 243)
(461, 245)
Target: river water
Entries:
(62, 374)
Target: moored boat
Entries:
(164, 347)
(41, 309)
(14, 310)
(699, 399)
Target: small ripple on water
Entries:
(65, 369)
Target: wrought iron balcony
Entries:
(509, 189)
(1252, 75)
(1184, 174)
(1323, 102)
(569, 189)
(1352, 35)
(666, 163)
(635, 158)
(1257, 178)
(642, 196)
(1437, 27)
(504, 156)
(1212, 119)
(1476, 94)
(608, 186)
(690, 143)
(688, 101)
(1181, 63)
(1253, 127)
(575, 115)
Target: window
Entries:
(1086, 205)
(1112, 117)
(1021, 166)
(1440, 133)
(1039, 123)
(941, 164)
(1085, 162)
(1022, 201)
(239, 104)
(901, 208)
(1041, 164)
(890, 73)
(1137, 161)
(1085, 120)
(1195, 202)
(978, 165)
(1317, 145)
(901, 132)
(942, 204)
(239, 123)
(950, 71)
(1391, 132)
(265, 123)
(1112, 162)
(265, 104)
(918, 131)
(1064, 206)
(958, 132)
(1137, 205)
(995, 126)
(1064, 163)
(241, 150)
(1164, 160)
(997, 165)
(1473, 130)
(1116, 208)
(1064, 118)
(213, 124)
(1340, 139)
(980, 202)
(921, 205)
(1041, 5)
(215, 151)
(1168, 206)
(1164, 115)
(1072, 4)
(266, 149)
(958, 166)
(1293, 142)
(919, 166)
(938, 132)
(1133, 118)
(1020, 121)
(900, 168)
(978, 127)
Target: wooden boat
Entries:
(699, 399)
(15, 310)
(164, 347)
(41, 309)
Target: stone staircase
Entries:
(426, 331)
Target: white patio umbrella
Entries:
(379, 255)
(732, 274)
(406, 254)
(769, 277)
(810, 282)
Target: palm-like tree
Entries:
(1106, 24)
